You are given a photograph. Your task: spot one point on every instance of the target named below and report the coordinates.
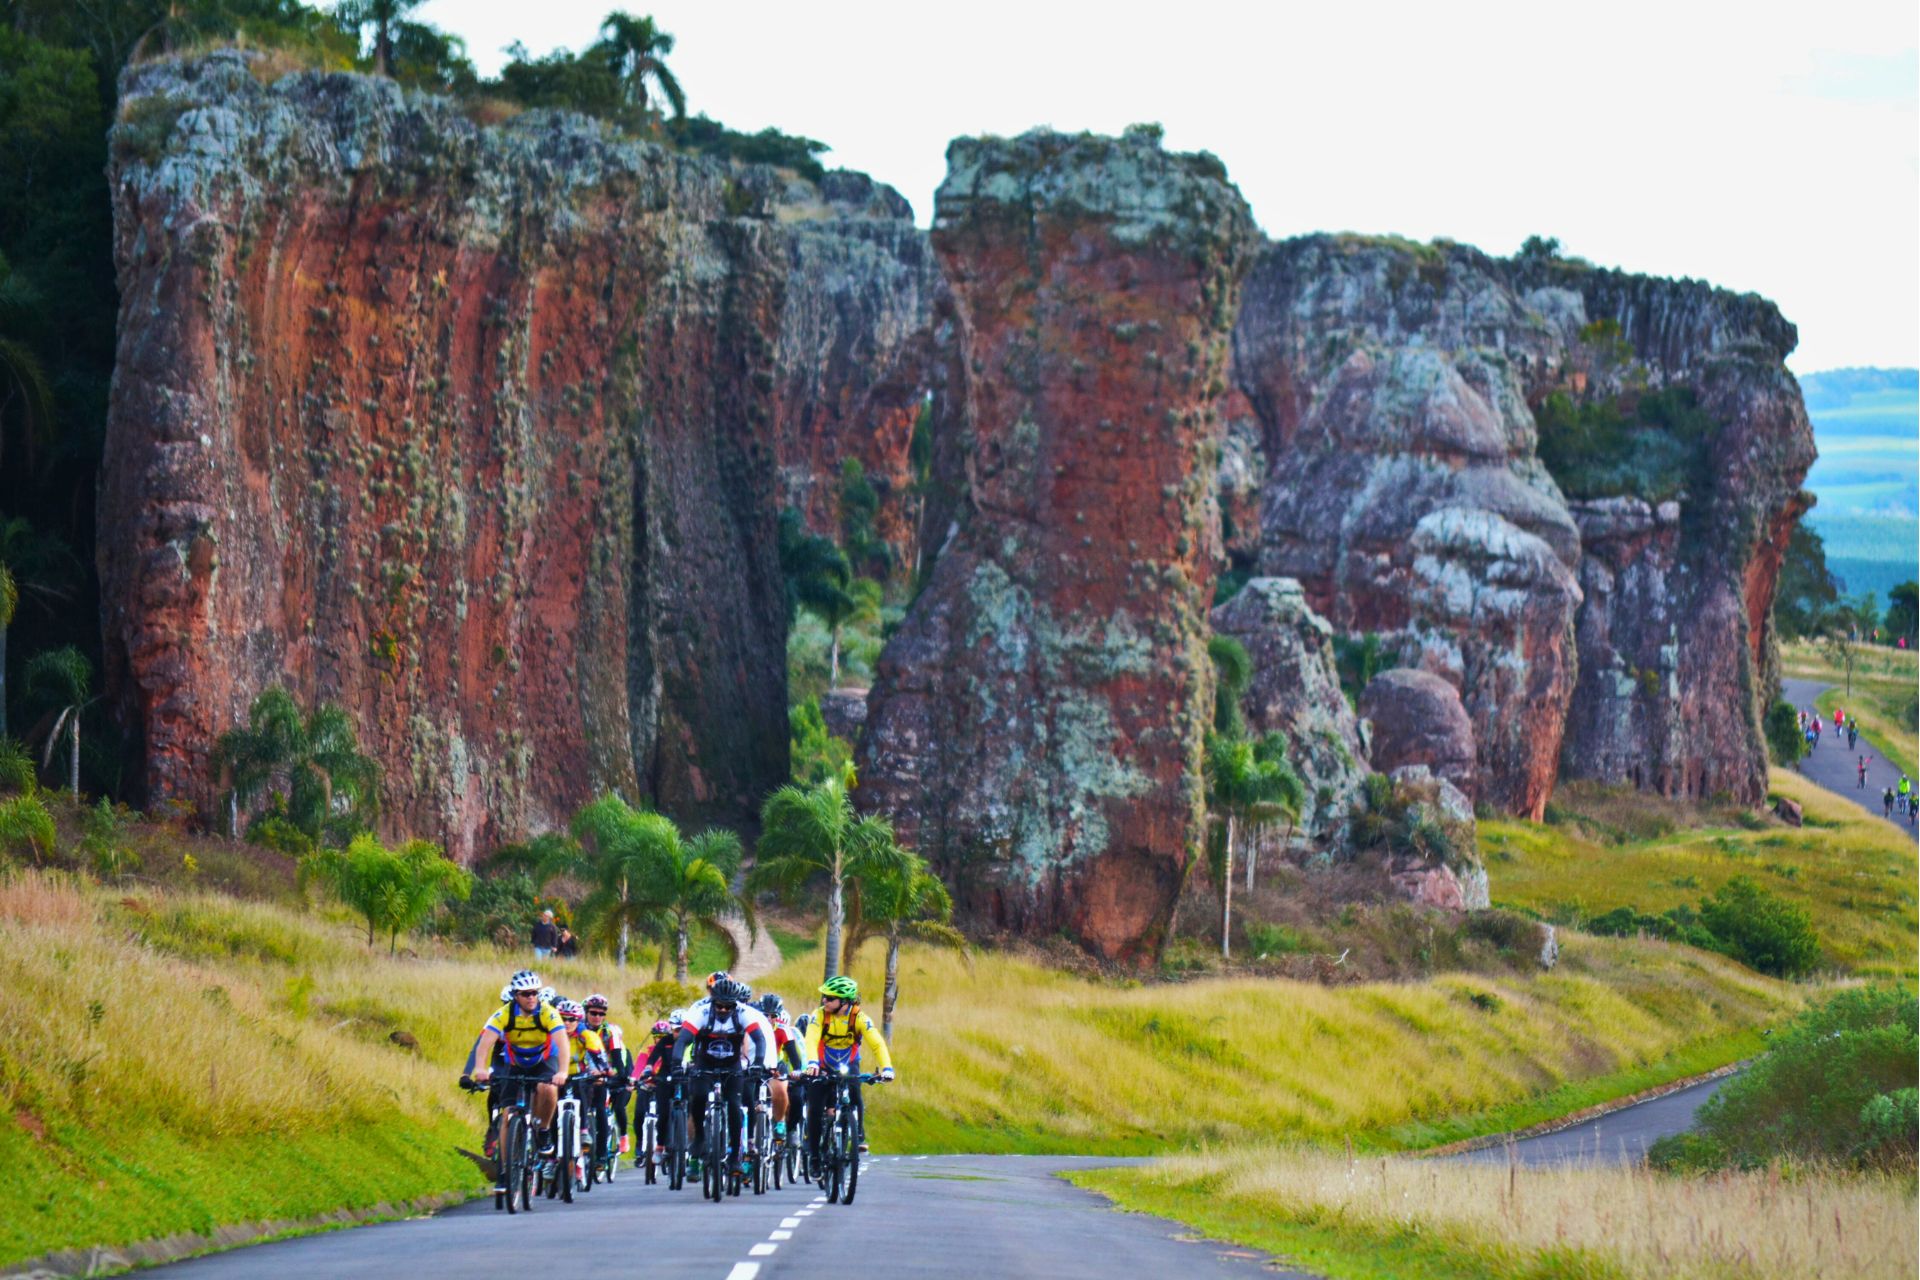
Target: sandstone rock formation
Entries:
(1036, 722)
(473, 431)
(1295, 690)
(1395, 387)
(1453, 880)
(854, 361)
(1402, 488)
(1678, 656)
(1415, 718)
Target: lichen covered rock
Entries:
(1415, 718)
(1036, 722)
(1295, 691)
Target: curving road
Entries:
(1832, 767)
(1619, 1138)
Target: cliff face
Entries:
(855, 358)
(1036, 724)
(1396, 386)
(1678, 655)
(470, 430)
(1402, 488)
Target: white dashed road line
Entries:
(744, 1271)
(788, 1224)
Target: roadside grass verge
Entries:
(1008, 1056)
(1374, 1217)
(1886, 686)
(1853, 873)
(178, 1063)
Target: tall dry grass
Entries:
(1639, 1223)
(1007, 1055)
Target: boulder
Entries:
(1452, 877)
(1788, 811)
(1416, 718)
(1036, 719)
(1295, 690)
(845, 712)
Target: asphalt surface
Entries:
(1834, 768)
(927, 1216)
(1620, 1138)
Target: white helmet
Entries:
(506, 993)
(525, 980)
(548, 995)
(568, 1008)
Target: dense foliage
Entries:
(1836, 1085)
(1741, 919)
(1652, 446)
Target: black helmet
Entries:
(772, 1005)
(727, 991)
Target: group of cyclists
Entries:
(563, 1049)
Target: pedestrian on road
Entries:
(1886, 803)
(1863, 773)
(1838, 718)
(544, 935)
(1853, 734)
(1906, 787)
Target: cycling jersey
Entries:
(722, 1043)
(788, 1045)
(589, 1051)
(835, 1039)
(527, 1037)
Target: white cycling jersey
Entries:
(717, 1039)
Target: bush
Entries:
(657, 999)
(1653, 447)
(1785, 743)
(1760, 929)
(501, 910)
(1837, 1085)
(1273, 939)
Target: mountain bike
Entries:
(840, 1158)
(796, 1157)
(713, 1136)
(646, 1133)
(602, 1154)
(758, 1137)
(561, 1174)
(514, 1157)
(679, 1112)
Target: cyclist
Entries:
(836, 1033)
(587, 1081)
(724, 1033)
(789, 1054)
(653, 1070)
(619, 1059)
(531, 1042)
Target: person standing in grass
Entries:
(544, 935)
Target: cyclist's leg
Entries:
(819, 1098)
(734, 1091)
(777, 1089)
(859, 1108)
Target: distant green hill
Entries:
(1866, 423)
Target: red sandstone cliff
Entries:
(470, 430)
(1036, 723)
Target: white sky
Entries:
(1764, 146)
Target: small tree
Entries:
(390, 889)
(700, 890)
(815, 753)
(622, 852)
(1247, 783)
(385, 17)
(810, 833)
(63, 680)
(1762, 930)
(903, 901)
(1784, 737)
(104, 842)
(311, 763)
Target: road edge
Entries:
(1582, 1116)
(107, 1260)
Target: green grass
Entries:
(1886, 687)
(1370, 1218)
(1852, 872)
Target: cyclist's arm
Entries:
(565, 1066)
(870, 1037)
(682, 1041)
(482, 1052)
(760, 1057)
(811, 1049)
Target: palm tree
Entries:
(636, 48)
(26, 393)
(391, 889)
(32, 565)
(316, 757)
(1286, 797)
(810, 832)
(385, 17)
(1245, 784)
(63, 679)
(896, 903)
(701, 891)
(620, 850)
(839, 608)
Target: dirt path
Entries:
(758, 956)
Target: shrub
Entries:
(657, 999)
(391, 889)
(104, 842)
(26, 826)
(1653, 447)
(1785, 743)
(1760, 929)
(1837, 1084)
(1273, 939)
(501, 909)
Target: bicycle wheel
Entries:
(513, 1127)
(566, 1155)
(526, 1159)
(853, 1159)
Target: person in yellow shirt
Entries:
(837, 1035)
(587, 1054)
(527, 1038)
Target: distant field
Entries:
(1866, 424)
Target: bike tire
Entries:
(513, 1128)
(853, 1162)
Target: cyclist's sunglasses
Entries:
(723, 1008)
(569, 1017)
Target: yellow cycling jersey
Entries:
(835, 1040)
(528, 1036)
(585, 1041)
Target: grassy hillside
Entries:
(1886, 693)
(1854, 874)
(1375, 1219)
(185, 1060)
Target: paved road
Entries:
(1833, 767)
(938, 1216)
(1620, 1138)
